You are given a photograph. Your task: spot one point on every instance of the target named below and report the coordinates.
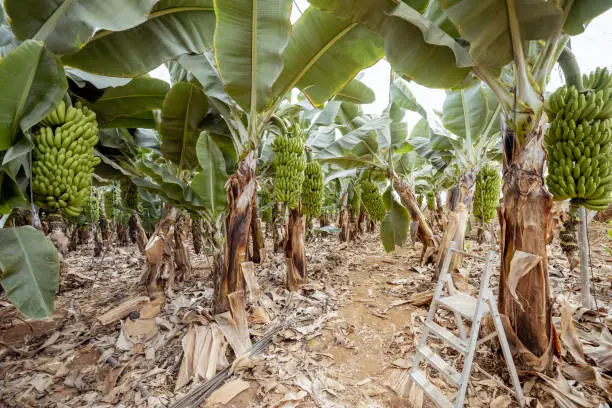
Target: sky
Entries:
(593, 49)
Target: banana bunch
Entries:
(93, 206)
(579, 142)
(486, 196)
(112, 202)
(129, 194)
(420, 200)
(372, 200)
(64, 159)
(289, 163)
(355, 199)
(431, 200)
(312, 190)
(597, 80)
(265, 204)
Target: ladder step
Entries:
(448, 337)
(463, 304)
(431, 390)
(439, 364)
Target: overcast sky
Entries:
(593, 49)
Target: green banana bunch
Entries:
(93, 206)
(431, 200)
(265, 204)
(372, 200)
(420, 200)
(289, 163)
(579, 142)
(312, 190)
(591, 104)
(486, 196)
(129, 194)
(112, 201)
(64, 159)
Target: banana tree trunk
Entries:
(343, 223)
(524, 217)
(256, 233)
(278, 214)
(294, 250)
(456, 224)
(409, 201)
(241, 187)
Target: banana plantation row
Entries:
(89, 141)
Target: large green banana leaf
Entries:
(582, 12)
(394, 227)
(11, 195)
(415, 46)
(33, 82)
(423, 52)
(401, 96)
(64, 25)
(130, 101)
(356, 92)
(250, 37)
(174, 27)
(203, 68)
(484, 23)
(210, 181)
(324, 53)
(30, 270)
(465, 113)
(184, 108)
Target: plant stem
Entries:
(583, 245)
(571, 70)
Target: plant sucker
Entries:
(64, 159)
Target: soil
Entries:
(349, 339)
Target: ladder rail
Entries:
(485, 303)
(430, 314)
(503, 341)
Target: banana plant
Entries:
(379, 144)
(470, 139)
(450, 43)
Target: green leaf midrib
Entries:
(153, 16)
(314, 59)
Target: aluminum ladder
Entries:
(463, 306)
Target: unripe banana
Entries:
(579, 140)
(57, 176)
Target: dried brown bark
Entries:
(196, 234)
(257, 236)
(458, 217)
(343, 223)
(278, 215)
(409, 201)
(360, 223)
(181, 256)
(240, 187)
(294, 250)
(122, 235)
(324, 220)
(524, 216)
(159, 252)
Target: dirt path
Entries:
(351, 339)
